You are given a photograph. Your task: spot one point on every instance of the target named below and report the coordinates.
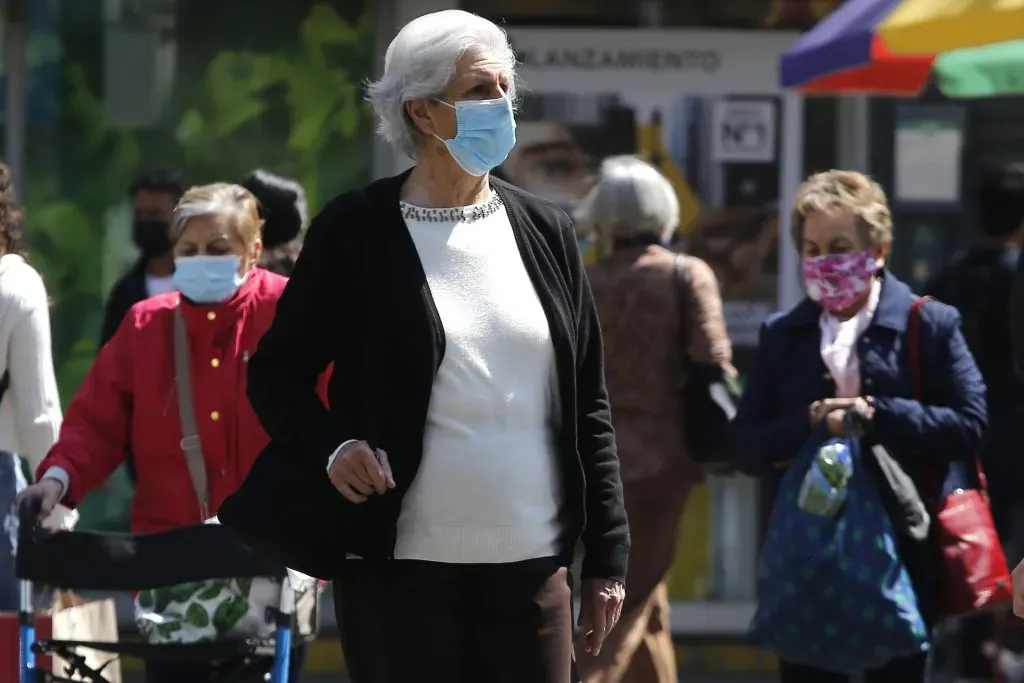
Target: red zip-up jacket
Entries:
(129, 403)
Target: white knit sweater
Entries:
(487, 490)
(30, 413)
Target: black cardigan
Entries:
(128, 291)
(359, 299)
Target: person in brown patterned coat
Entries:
(635, 209)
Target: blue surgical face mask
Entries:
(487, 133)
(208, 279)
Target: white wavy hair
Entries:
(631, 198)
(420, 63)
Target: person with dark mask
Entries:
(154, 195)
(284, 213)
(980, 283)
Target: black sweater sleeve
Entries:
(127, 292)
(606, 534)
(304, 338)
(113, 314)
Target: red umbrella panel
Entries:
(885, 74)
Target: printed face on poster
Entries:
(701, 107)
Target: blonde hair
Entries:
(844, 192)
(218, 199)
(631, 198)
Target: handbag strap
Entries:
(190, 443)
(917, 373)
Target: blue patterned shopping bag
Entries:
(832, 591)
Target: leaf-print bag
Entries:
(219, 608)
(223, 609)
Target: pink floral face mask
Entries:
(836, 281)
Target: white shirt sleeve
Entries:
(33, 386)
(59, 474)
(334, 455)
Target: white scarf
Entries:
(839, 342)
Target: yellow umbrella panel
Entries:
(937, 26)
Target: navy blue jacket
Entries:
(935, 441)
(773, 420)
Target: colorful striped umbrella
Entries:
(986, 71)
(849, 52)
(937, 26)
(844, 54)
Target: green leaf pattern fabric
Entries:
(203, 611)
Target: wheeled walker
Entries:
(119, 562)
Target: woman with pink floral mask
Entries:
(845, 349)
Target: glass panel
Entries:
(212, 89)
(728, 209)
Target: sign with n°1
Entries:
(743, 131)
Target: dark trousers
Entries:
(904, 670)
(404, 620)
(199, 672)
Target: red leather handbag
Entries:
(974, 576)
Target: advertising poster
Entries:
(704, 108)
(701, 114)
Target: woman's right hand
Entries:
(358, 473)
(48, 490)
(833, 412)
(820, 410)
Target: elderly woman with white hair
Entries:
(649, 299)
(468, 445)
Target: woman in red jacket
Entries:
(128, 402)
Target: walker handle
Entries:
(30, 528)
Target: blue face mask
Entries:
(487, 133)
(208, 279)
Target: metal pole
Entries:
(792, 175)
(853, 133)
(16, 58)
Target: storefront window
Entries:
(211, 89)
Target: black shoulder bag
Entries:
(709, 401)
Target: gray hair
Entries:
(214, 200)
(420, 63)
(631, 198)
